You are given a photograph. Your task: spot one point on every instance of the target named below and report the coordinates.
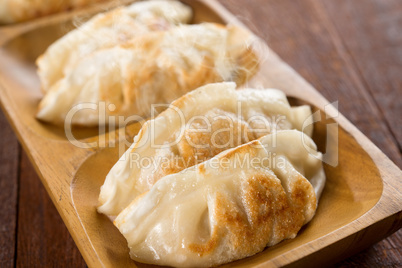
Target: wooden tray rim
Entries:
(386, 207)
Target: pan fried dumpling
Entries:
(229, 207)
(194, 128)
(12, 11)
(155, 68)
(107, 30)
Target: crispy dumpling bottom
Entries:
(229, 207)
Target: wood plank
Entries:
(369, 32)
(302, 35)
(372, 34)
(9, 157)
(43, 239)
(386, 253)
(37, 214)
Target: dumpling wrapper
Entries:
(12, 11)
(195, 128)
(107, 30)
(155, 68)
(229, 207)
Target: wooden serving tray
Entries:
(360, 205)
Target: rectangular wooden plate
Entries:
(360, 205)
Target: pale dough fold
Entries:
(229, 207)
(153, 68)
(194, 128)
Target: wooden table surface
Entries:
(349, 50)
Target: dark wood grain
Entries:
(43, 239)
(304, 36)
(372, 35)
(9, 156)
(386, 253)
(351, 52)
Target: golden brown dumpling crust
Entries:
(215, 132)
(265, 209)
(221, 210)
(213, 123)
(23, 10)
(153, 68)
